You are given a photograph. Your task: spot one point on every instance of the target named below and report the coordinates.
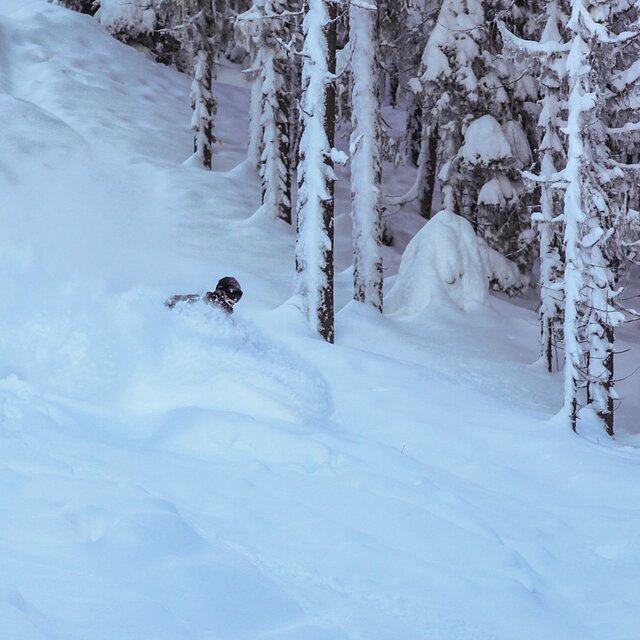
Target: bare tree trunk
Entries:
(430, 151)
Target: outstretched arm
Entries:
(173, 300)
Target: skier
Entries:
(224, 296)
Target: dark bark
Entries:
(574, 414)
(414, 132)
(547, 347)
(284, 139)
(327, 308)
(429, 183)
(608, 416)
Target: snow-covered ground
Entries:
(184, 476)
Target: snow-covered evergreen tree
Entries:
(203, 102)
(550, 227)
(593, 184)
(404, 30)
(450, 83)
(315, 206)
(265, 29)
(623, 120)
(470, 92)
(274, 167)
(579, 102)
(197, 25)
(141, 23)
(597, 177)
(402, 27)
(127, 19)
(366, 209)
(82, 6)
(228, 12)
(205, 27)
(549, 58)
(393, 27)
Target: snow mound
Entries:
(443, 262)
(485, 142)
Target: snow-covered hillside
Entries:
(179, 475)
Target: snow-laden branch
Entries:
(596, 29)
(531, 46)
(625, 128)
(361, 4)
(627, 77)
(534, 177)
(629, 167)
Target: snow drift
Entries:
(442, 263)
(447, 263)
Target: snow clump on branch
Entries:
(485, 142)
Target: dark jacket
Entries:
(224, 296)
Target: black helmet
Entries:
(230, 287)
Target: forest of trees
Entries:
(522, 116)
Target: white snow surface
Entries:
(181, 475)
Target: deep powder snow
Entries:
(188, 476)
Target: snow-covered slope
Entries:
(181, 476)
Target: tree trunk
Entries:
(274, 124)
(203, 101)
(366, 212)
(283, 125)
(327, 305)
(315, 208)
(608, 416)
(428, 185)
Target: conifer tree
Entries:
(227, 12)
(205, 27)
(592, 181)
(550, 228)
(266, 30)
(595, 176)
(393, 27)
(203, 103)
(470, 95)
(127, 21)
(81, 6)
(315, 206)
(549, 57)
